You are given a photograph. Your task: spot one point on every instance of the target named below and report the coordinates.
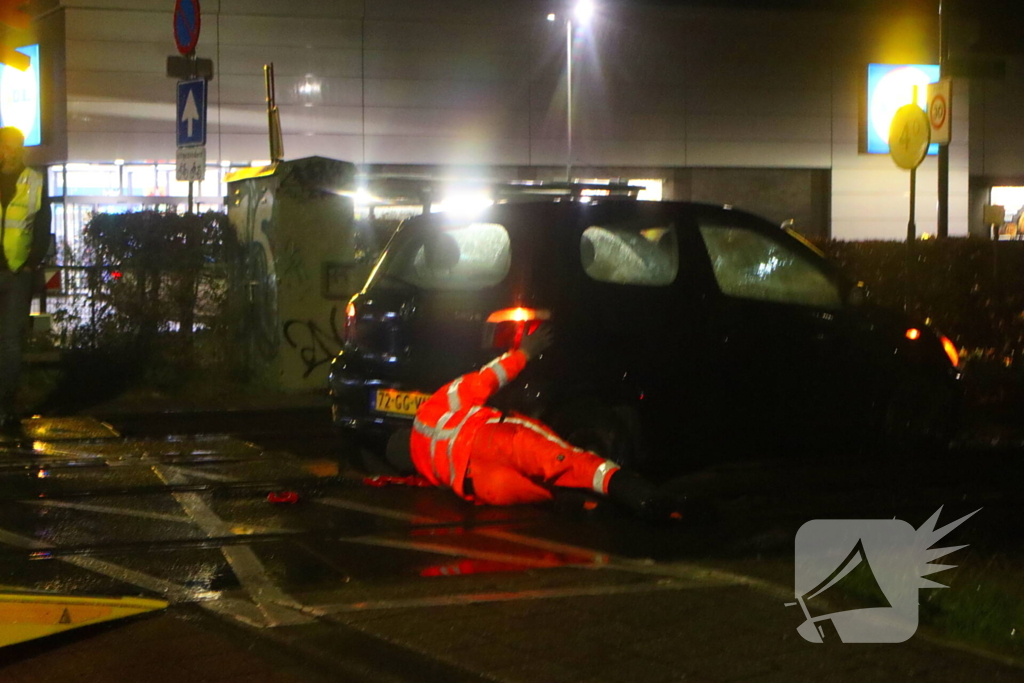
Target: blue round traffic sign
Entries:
(186, 25)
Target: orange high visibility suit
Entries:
(485, 456)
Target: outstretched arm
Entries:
(476, 387)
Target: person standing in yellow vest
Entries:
(25, 236)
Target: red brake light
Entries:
(950, 348)
(507, 326)
(518, 315)
(350, 322)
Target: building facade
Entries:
(762, 110)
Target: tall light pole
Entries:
(583, 10)
(568, 98)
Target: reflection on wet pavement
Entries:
(188, 519)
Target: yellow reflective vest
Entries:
(17, 218)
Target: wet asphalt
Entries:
(342, 580)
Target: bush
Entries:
(155, 311)
(973, 290)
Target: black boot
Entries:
(634, 492)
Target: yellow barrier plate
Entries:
(398, 402)
(26, 616)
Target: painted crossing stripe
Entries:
(541, 594)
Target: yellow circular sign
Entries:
(909, 135)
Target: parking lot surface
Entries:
(351, 581)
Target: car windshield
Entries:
(464, 257)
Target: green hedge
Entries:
(972, 289)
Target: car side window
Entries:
(630, 256)
(466, 257)
(750, 265)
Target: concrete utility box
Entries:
(301, 260)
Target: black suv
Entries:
(684, 332)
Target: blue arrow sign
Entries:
(191, 114)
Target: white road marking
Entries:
(279, 608)
(240, 610)
(199, 474)
(107, 509)
(510, 596)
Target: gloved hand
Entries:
(535, 344)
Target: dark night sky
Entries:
(997, 10)
(996, 26)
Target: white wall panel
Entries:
(394, 149)
(621, 153)
(289, 60)
(463, 82)
(758, 154)
(447, 36)
(106, 146)
(144, 5)
(750, 127)
(342, 9)
(469, 11)
(451, 93)
(108, 55)
(296, 32)
(455, 123)
(131, 26)
(599, 125)
(232, 90)
(480, 66)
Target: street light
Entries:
(583, 11)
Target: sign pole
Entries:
(909, 136)
(191, 74)
(911, 225)
(190, 115)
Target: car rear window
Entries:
(467, 257)
(752, 265)
(630, 255)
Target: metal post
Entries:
(943, 170)
(568, 104)
(911, 226)
(192, 74)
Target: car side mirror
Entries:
(857, 295)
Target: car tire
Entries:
(918, 418)
(611, 432)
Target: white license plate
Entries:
(397, 402)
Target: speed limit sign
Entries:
(909, 135)
(940, 110)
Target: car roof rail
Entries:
(382, 189)
(526, 190)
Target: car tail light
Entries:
(350, 322)
(950, 348)
(506, 327)
(913, 333)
